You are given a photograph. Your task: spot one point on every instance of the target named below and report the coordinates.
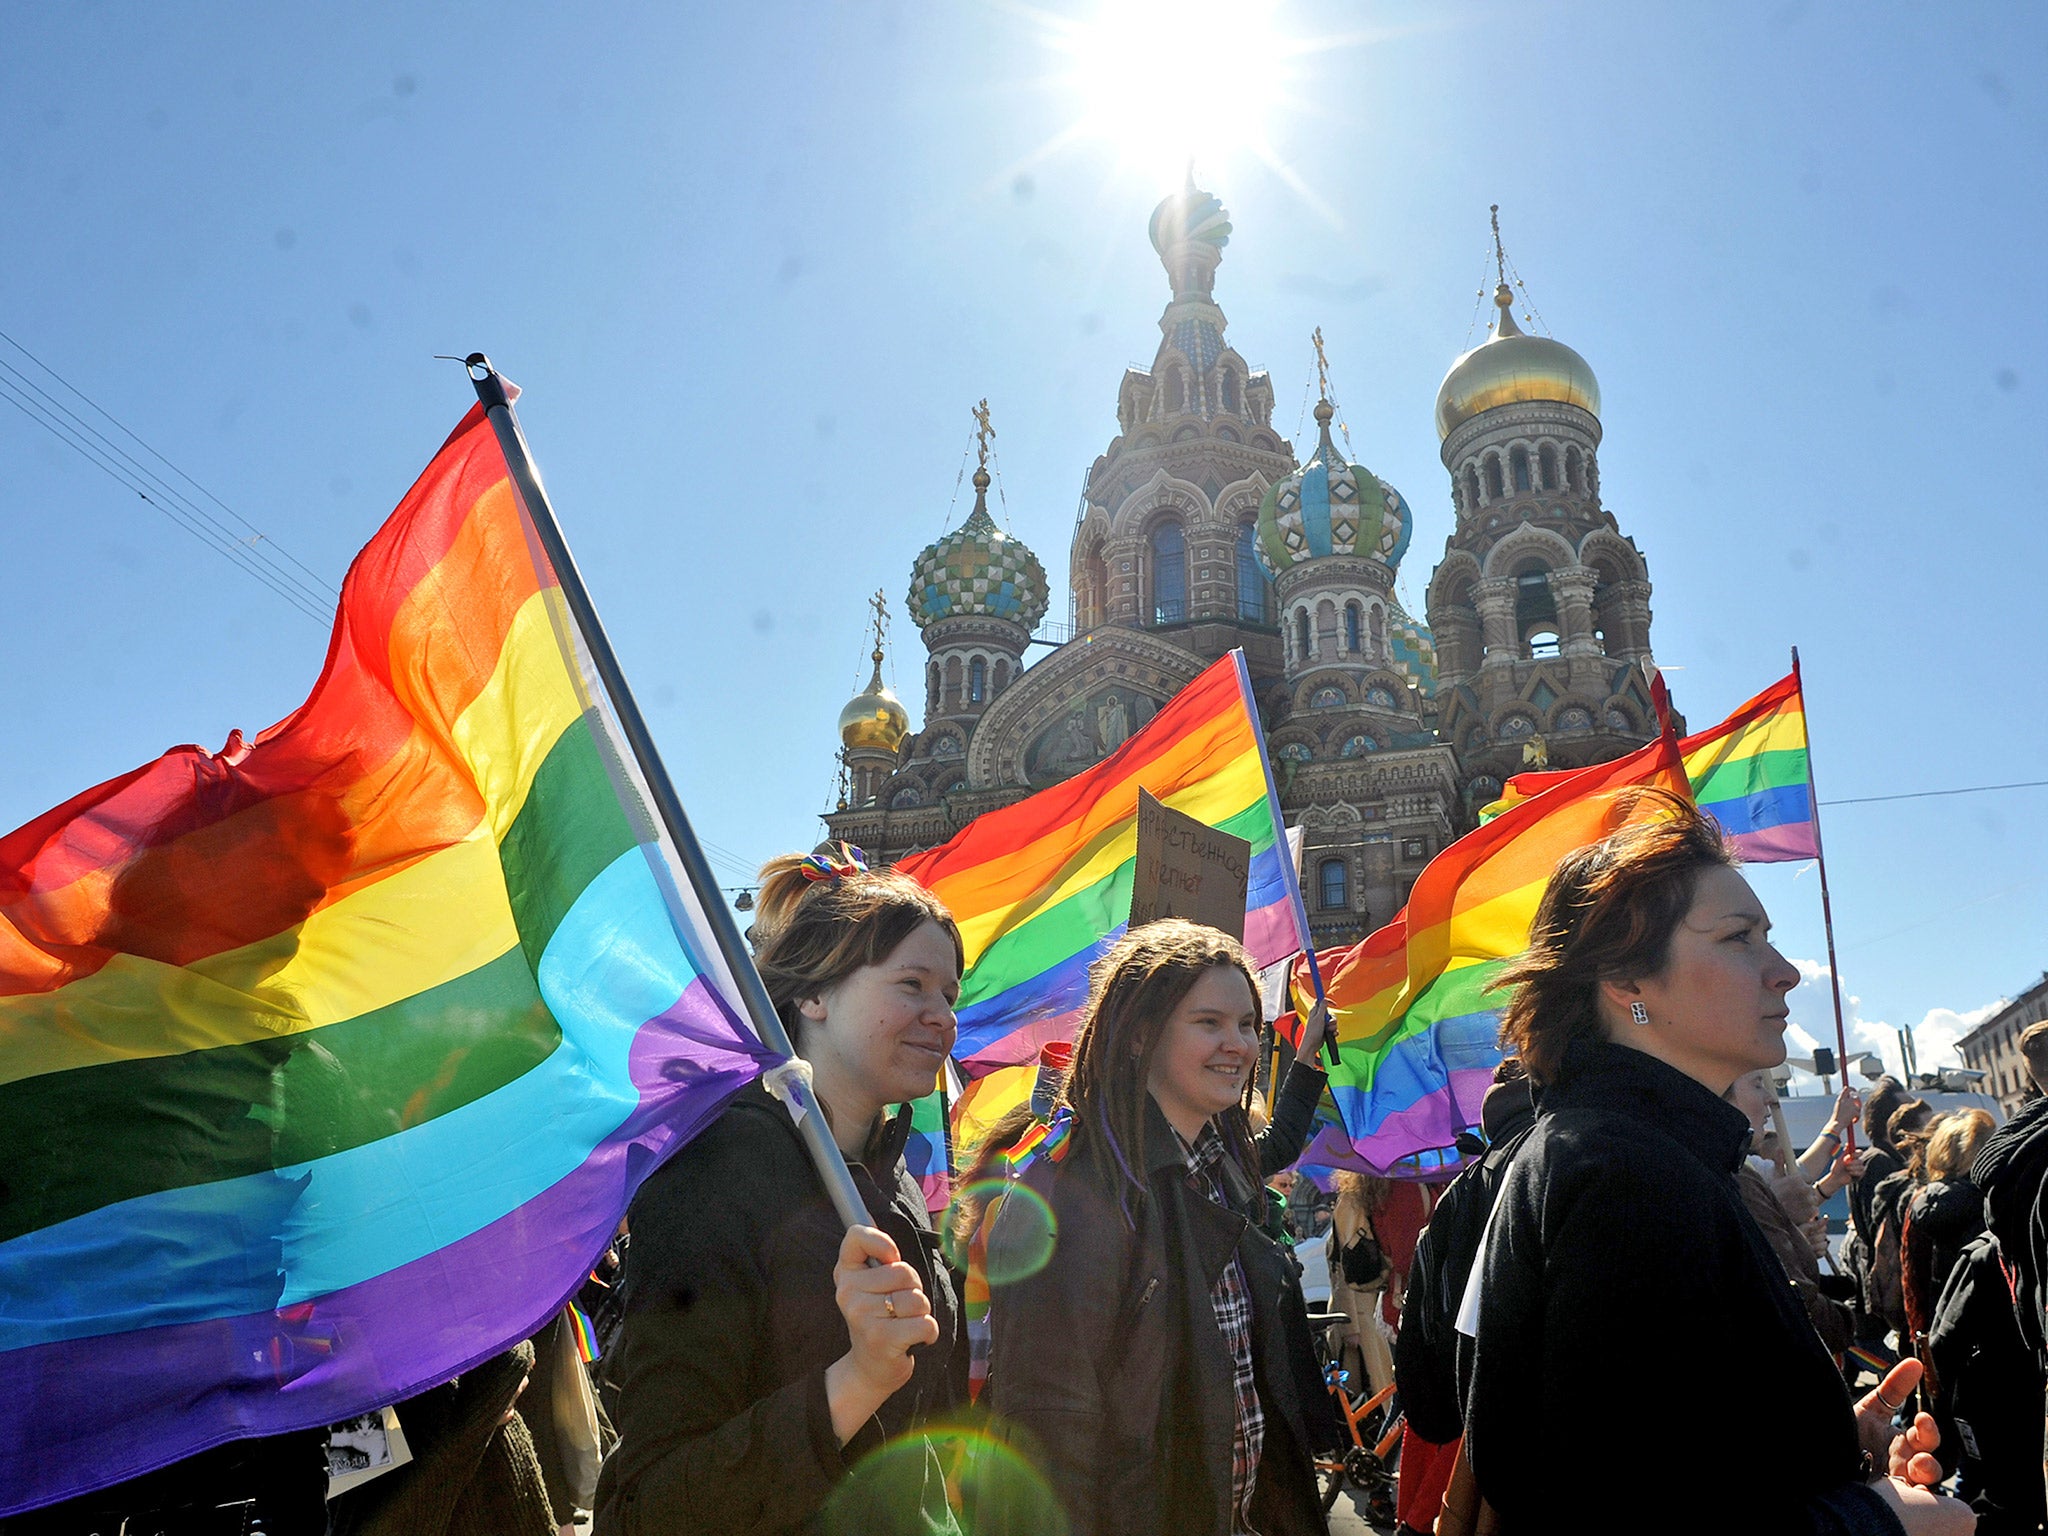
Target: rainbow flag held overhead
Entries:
(1418, 1023)
(329, 1062)
(1749, 773)
(1041, 888)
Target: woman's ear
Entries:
(812, 1008)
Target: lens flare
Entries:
(991, 1489)
(1028, 1230)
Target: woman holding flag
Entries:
(765, 1349)
(1157, 1360)
(1650, 985)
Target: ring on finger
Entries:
(889, 1305)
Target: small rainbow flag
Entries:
(1749, 773)
(329, 1062)
(585, 1336)
(1418, 1024)
(1042, 888)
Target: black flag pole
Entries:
(802, 1103)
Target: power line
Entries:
(232, 548)
(315, 595)
(1929, 794)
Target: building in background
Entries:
(1993, 1048)
(1200, 531)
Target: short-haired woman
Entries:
(1158, 1364)
(766, 1349)
(1640, 1362)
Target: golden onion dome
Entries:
(874, 719)
(1510, 367)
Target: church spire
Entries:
(1503, 295)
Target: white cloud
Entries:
(1813, 1023)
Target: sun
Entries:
(1161, 85)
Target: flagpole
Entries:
(810, 1122)
(1289, 875)
(1827, 911)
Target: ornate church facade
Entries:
(1201, 532)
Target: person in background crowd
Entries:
(1158, 1367)
(766, 1349)
(1942, 1217)
(1884, 1293)
(1649, 986)
(1880, 1157)
(1360, 1272)
(1427, 1365)
(1987, 1387)
(2012, 1171)
(1783, 1226)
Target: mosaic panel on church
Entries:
(1089, 730)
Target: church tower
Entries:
(1541, 607)
(872, 725)
(1165, 540)
(1360, 769)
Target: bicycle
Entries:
(1369, 1466)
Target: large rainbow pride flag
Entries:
(1419, 1031)
(329, 1062)
(1043, 887)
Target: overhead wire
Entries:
(258, 554)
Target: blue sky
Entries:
(753, 264)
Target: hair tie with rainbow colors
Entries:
(835, 863)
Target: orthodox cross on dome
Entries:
(1504, 291)
(880, 607)
(984, 433)
(1322, 367)
(1500, 254)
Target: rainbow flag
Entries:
(1041, 888)
(329, 1062)
(1418, 1024)
(1749, 773)
(924, 1154)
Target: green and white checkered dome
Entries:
(1329, 507)
(980, 570)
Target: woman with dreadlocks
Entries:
(1158, 1363)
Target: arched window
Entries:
(1231, 401)
(1301, 634)
(1351, 634)
(977, 681)
(1176, 392)
(1169, 574)
(1095, 590)
(1002, 675)
(1471, 487)
(1333, 877)
(1546, 464)
(1574, 470)
(1251, 580)
(1379, 630)
(1518, 460)
(1494, 488)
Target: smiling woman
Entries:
(1160, 1361)
(739, 1277)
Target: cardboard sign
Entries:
(1186, 868)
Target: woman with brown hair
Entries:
(1157, 1362)
(1360, 1271)
(766, 1349)
(1620, 1245)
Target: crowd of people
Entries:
(1623, 1314)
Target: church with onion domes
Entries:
(1201, 531)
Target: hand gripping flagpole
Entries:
(793, 1087)
(1827, 912)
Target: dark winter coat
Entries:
(1987, 1400)
(1831, 1319)
(2012, 1170)
(1107, 1367)
(730, 1323)
(1878, 1165)
(1631, 1313)
(1941, 1218)
(1427, 1366)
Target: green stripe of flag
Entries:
(1748, 775)
(568, 832)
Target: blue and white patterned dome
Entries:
(1329, 507)
(1412, 648)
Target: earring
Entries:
(1639, 1013)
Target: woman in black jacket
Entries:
(1641, 1362)
(1157, 1364)
(765, 1349)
